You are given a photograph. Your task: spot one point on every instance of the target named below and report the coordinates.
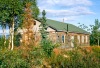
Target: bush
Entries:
(44, 57)
(96, 51)
(17, 39)
(48, 47)
(13, 59)
(2, 46)
(36, 57)
(75, 59)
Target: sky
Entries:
(72, 11)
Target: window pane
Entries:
(63, 38)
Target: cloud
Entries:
(53, 3)
(65, 19)
(73, 2)
(75, 11)
(68, 9)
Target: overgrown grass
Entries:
(76, 58)
(37, 57)
(13, 59)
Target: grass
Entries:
(35, 57)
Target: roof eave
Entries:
(72, 32)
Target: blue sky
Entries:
(72, 11)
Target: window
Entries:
(78, 38)
(34, 22)
(63, 39)
(86, 39)
(72, 41)
(82, 39)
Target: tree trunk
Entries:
(9, 37)
(4, 36)
(12, 38)
(98, 41)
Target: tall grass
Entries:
(37, 57)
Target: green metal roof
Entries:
(60, 26)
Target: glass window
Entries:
(63, 38)
(34, 22)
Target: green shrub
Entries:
(56, 61)
(48, 47)
(96, 51)
(43, 56)
(13, 59)
(17, 39)
(2, 45)
(36, 56)
(75, 59)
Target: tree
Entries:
(46, 44)
(95, 36)
(43, 26)
(28, 24)
(3, 17)
(94, 32)
(84, 27)
(3, 25)
(9, 10)
(34, 7)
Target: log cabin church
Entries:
(63, 33)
